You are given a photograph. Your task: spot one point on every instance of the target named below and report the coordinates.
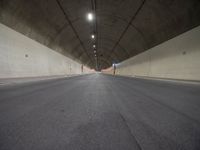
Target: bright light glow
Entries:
(115, 64)
(94, 46)
(92, 36)
(90, 16)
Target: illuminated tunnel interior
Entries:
(99, 75)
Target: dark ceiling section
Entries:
(123, 28)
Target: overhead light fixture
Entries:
(90, 16)
(94, 46)
(92, 36)
(94, 51)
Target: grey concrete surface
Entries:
(11, 81)
(100, 112)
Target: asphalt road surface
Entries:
(100, 112)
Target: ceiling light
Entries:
(94, 46)
(94, 51)
(92, 36)
(90, 16)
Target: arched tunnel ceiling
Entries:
(124, 28)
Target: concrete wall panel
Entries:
(23, 57)
(178, 58)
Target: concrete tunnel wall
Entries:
(178, 58)
(21, 56)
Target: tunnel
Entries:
(99, 75)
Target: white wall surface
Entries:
(22, 57)
(178, 58)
